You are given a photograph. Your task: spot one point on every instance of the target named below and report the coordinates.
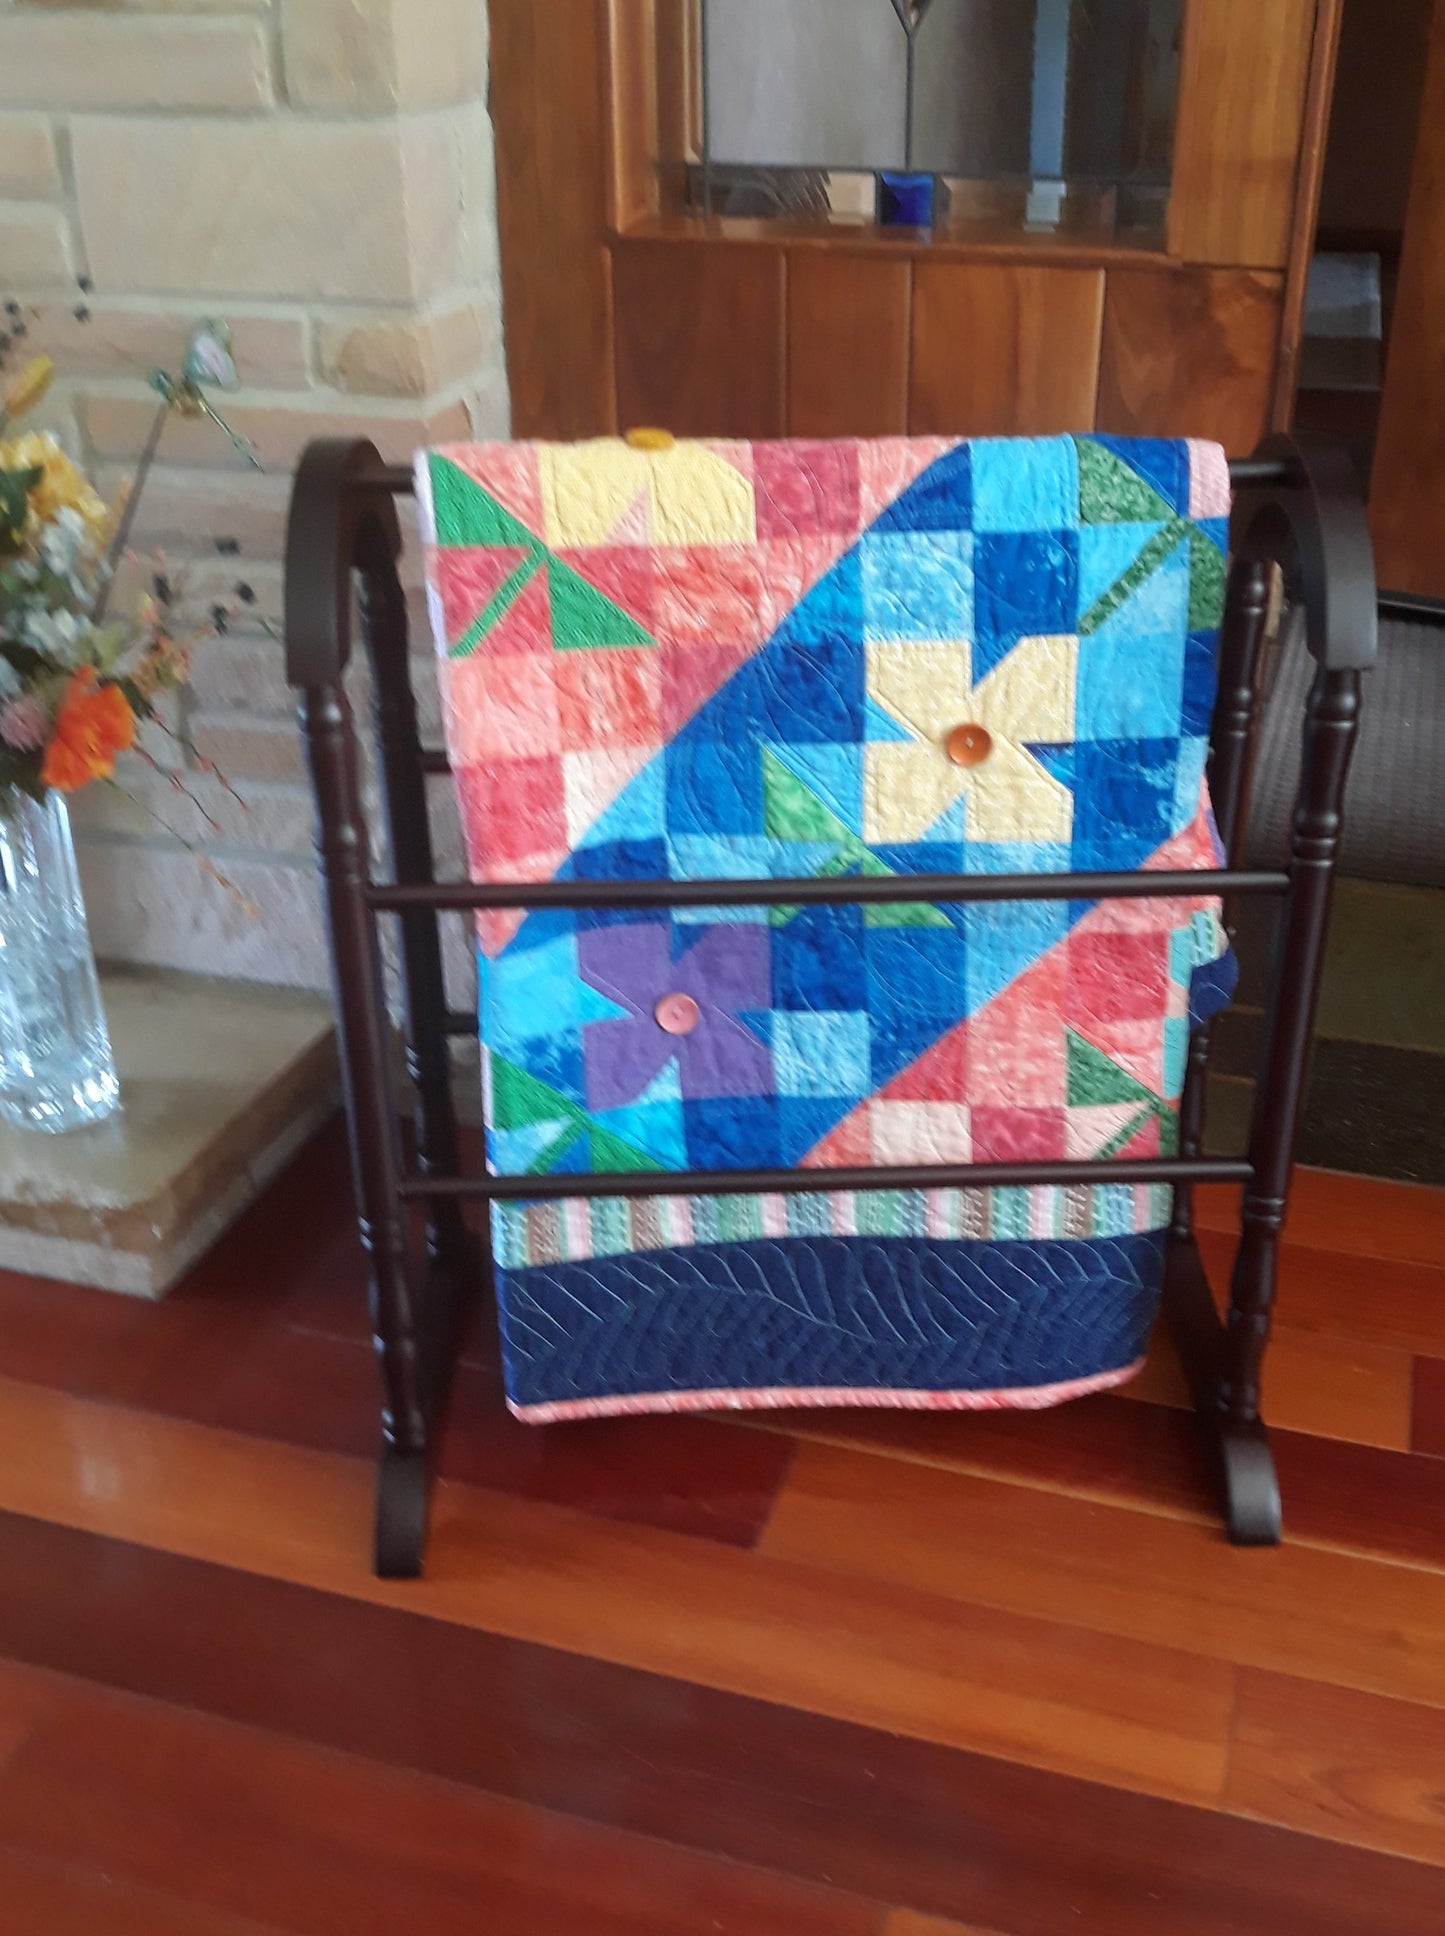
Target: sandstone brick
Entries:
(66, 60)
(265, 822)
(410, 359)
(244, 670)
(115, 427)
(250, 750)
(145, 6)
(34, 247)
(186, 512)
(355, 55)
(28, 167)
(384, 211)
(449, 166)
(271, 351)
(162, 907)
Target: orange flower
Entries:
(93, 725)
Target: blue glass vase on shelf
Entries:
(57, 1071)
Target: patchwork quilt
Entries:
(874, 658)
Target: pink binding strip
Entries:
(1028, 1398)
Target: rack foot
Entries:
(1239, 1454)
(403, 1486)
(1251, 1487)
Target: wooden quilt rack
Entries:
(1295, 506)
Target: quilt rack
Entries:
(1295, 506)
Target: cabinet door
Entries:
(1001, 350)
(1190, 353)
(1242, 94)
(700, 342)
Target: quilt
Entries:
(707, 660)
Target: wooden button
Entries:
(969, 745)
(645, 439)
(676, 1014)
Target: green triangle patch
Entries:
(1094, 1078)
(582, 616)
(1206, 583)
(610, 1152)
(468, 515)
(519, 1099)
(1111, 493)
(1159, 547)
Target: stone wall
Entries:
(319, 173)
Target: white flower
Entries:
(9, 679)
(58, 636)
(63, 541)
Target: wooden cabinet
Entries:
(1004, 349)
(621, 309)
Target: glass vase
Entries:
(56, 1067)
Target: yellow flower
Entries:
(28, 388)
(61, 485)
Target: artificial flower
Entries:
(61, 486)
(23, 723)
(94, 724)
(26, 390)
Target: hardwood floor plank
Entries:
(1376, 1301)
(1147, 1456)
(709, 1480)
(23, 1702)
(329, 1845)
(903, 1922)
(1429, 1410)
(46, 1899)
(1349, 1216)
(1348, 1497)
(1358, 1499)
(875, 1814)
(1336, 1763)
(1332, 1616)
(1047, 1693)
(1336, 1388)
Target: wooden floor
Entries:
(837, 1675)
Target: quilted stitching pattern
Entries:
(732, 660)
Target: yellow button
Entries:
(969, 745)
(650, 439)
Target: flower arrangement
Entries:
(86, 646)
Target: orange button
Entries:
(676, 1014)
(969, 745)
(646, 439)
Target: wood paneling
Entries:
(1407, 501)
(632, 104)
(1002, 351)
(1337, 1763)
(1190, 353)
(547, 67)
(1304, 216)
(1242, 89)
(848, 331)
(701, 344)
